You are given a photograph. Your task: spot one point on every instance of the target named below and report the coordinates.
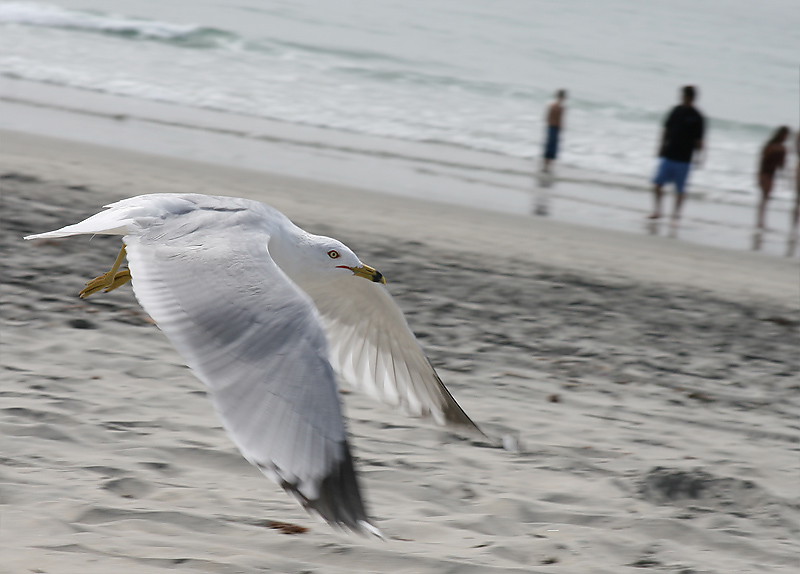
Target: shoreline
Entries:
(587, 250)
(443, 173)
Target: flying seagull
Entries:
(266, 315)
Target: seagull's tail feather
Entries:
(123, 217)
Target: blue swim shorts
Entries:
(670, 171)
(551, 147)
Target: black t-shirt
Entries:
(684, 128)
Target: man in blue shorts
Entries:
(682, 137)
(555, 123)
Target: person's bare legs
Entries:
(762, 208)
(658, 193)
(676, 211)
(796, 214)
(765, 183)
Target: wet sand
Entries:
(652, 387)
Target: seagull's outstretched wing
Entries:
(373, 348)
(255, 340)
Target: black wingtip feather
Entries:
(339, 502)
(453, 413)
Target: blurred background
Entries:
(464, 72)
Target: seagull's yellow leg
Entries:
(108, 281)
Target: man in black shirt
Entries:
(682, 137)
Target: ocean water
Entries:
(471, 73)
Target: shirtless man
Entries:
(555, 123)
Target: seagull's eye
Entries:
(333, 254)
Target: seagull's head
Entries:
(311, 258)
(337, 257)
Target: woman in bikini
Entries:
(773, 158)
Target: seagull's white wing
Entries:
(255, 340)
(373, 348)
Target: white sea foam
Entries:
(47, 15)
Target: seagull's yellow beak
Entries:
(368, 272)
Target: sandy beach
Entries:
(651, 385)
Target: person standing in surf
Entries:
(681, 141)
(773, 158)
(555, 124)
(796, 210)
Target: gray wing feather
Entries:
(255, 340)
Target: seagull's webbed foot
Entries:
(110, 280)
